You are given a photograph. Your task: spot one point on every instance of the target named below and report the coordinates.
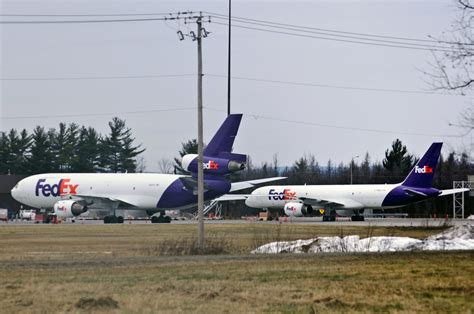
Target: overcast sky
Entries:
(289, 120)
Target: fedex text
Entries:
(61, 188)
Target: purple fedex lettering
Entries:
(286, 194)
(39, 186)
(61, 188)
(47, 189)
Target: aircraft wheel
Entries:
(120, 219)
(154, 219)
(357, 218)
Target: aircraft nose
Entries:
(14, 192)
(251, 200)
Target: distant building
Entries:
(7, 182)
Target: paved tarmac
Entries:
(343, 221)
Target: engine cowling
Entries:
(297, 210)
(215, 165)
(68, 208)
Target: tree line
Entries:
(395, 166)
(69, 148)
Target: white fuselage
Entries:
(142, 190)
(352, 196)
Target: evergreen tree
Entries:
(397, 161)
(41, 156)
(365, 169)
(117, 150)
(189, 147)
(58, 149)
(4, 153)
(329, 172)
(86, 158)
(18, 151)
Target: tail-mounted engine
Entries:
(223, 164)
(69, 208)
(298, 210)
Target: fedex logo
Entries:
(424, 169)
(291, 209)
(211, 165)
(286, 194)
(61, 188)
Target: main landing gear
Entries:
(357, 218)
(113, 220)
(161, 218)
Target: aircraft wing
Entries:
(232, 197)
(453, 191)
(242, 185)
(336, 203)
(100, 202)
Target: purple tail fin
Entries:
(223, 140)
(423, 173)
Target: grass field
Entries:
(146, 269)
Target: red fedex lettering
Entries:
(288, 195)
(65, 185)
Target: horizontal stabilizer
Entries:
(237, 186)
(413, 192)
(452, 191)
(191, 184)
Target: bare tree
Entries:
(165, 165)
(141, 164)
(453, 68)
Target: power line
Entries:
(293, 83)
(96, 77)
(177, 16)
(332, 86)
(337, 40)
(223, 16)
(242, 19)
(82, 15)
(347, 128)
(72, 115)
(84, 21)
(346, 36)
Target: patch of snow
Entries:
(460, 237)
(470, 217)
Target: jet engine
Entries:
(228, 163)
(68, 208)
(297, 209)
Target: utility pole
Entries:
(198, 36)
(200, 141)
(228, 60)
(228, 76)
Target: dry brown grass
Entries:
(88, 268)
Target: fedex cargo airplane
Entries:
(351, 200)
(71, 194)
